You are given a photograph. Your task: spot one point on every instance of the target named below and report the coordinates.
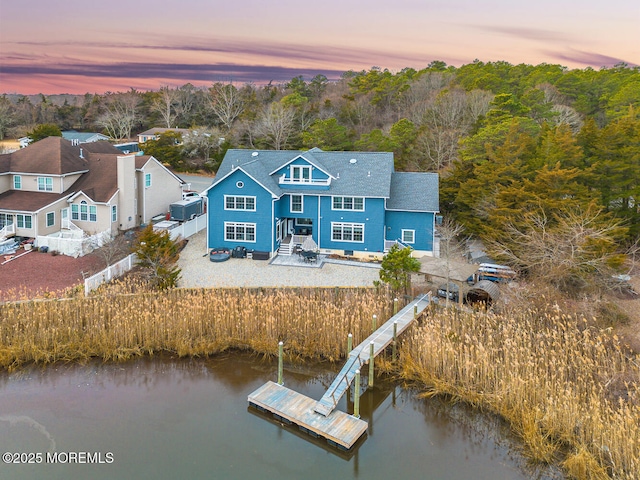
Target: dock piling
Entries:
(349, 344)
(280, 354)
(356, 395)
(371, 357)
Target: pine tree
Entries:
(397, 266)
(158, 254)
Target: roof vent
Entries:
(254, 154)
(81, 156)
(353, 160)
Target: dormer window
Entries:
(301, 173)
(17, 182)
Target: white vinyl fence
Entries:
(73, 244)
(114, 271)
(186, 229)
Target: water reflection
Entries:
(188, 418)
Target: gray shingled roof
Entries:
(369, 176)
(414, 191)
(82, 137)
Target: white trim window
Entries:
(408, 236)
(347, 232)
(114, 213)
(239, 232)
(239, 203)
(348, 203)
(17, 182)
(23, 221)
(301, 173)
(147, 180)
(296, 204)
(45, 184)
(5, 219)
(84, 212)
(51, 219)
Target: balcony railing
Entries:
(283, 180)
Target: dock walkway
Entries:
(319, 418)
(359, 356)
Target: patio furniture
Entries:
(239, 252)
(221, 254)
(309, 257)
(257, 255)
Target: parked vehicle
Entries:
(187, 194)
(452, 291)
(495, 273)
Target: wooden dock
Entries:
(319, 418)
(293, 407)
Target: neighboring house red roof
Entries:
(20, 201)
(49, 156)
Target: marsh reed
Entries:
(313, 323)
(569, 390)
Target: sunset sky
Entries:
(75, 46)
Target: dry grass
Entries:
(568, 388)
(312, 323)
(571, 391)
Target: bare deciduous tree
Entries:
(114, 250)
(451, 247)
(478, 103)
(121, 114)
(165, 104)
(200, 141)
(568, 115)
(276, 125)
(574, 251)
(226, 103)
(439, 148)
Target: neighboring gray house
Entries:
(77, 138)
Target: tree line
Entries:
(522, 150)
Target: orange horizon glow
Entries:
(114, 48)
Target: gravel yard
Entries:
(199, 271)
(32, 274)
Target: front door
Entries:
(64, 218)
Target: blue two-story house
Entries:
(350, 203)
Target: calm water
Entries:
(189, 419)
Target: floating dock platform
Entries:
(339, 428)
(319, 418)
